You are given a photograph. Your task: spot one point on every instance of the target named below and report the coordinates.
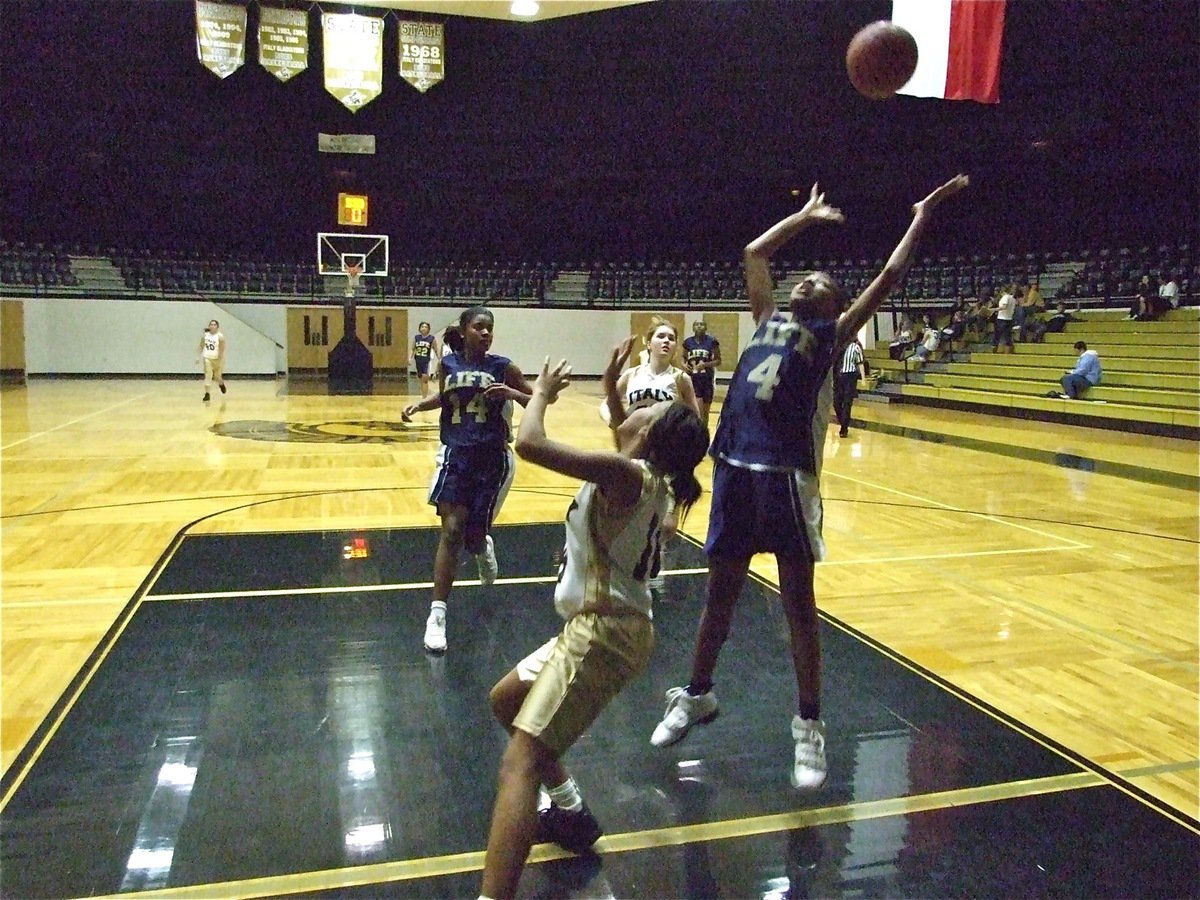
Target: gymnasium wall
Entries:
(160, 337)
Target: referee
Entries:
(846, 386)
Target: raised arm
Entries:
(877, 291)
(613, 381)
(618, 477)
(759, 251)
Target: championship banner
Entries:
(282, 41)
(353, 58)
(422, 54)
(220, 37)
(345, 143)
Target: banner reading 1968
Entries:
(422, 54)
(220, 37)
(353, 58)
(282, 41)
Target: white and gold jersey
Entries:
(644, 388)
(212, 344)
(610, 553)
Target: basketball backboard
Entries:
(337, 252)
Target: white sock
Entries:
(436, 605)
(566, 796)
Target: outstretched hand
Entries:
(949, 189)
(616, 362)
(551, 382)
(817, 208)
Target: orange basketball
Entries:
(880, 59)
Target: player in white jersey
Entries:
(212, 351)
(551, 697)
(652, 381)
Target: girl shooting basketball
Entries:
(767, 465)
(613, 527)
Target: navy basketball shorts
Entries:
(471, 477)
(764, 512)
(702, 384)
(422, 364)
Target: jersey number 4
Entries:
(766, 376)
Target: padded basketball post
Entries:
(351, 369)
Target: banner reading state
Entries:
(282, 41)
(353, 58)
(220, 37)
(422, 54)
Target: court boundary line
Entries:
(74, 421)
(1022, 728)
(28, 755)
(1143, 474)
(627, 842)
(952, 508)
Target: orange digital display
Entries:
(352, 209)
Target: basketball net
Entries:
(353, 274)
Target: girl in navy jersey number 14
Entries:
(473, 463)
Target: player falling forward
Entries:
(551, 697)
(768, 445)
(473, 462)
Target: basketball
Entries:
(880, 59)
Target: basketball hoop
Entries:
(353, 274)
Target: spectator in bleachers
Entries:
(1168, 293)
(903, 339)
(1086, 373)
(1144, 305)
(1055, 324)
(956, 327)
(1030, 308)
(978, 313)
(931, 339)
(1002, 331)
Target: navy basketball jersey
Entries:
(773, 411)
(700, 350)
(468, 418)
(422, 346)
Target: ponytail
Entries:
(686, 490)
(675, 445)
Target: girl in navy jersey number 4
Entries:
(767, 451)
(473, 463)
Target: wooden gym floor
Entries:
(1033, 585)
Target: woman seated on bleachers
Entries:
(903, 340)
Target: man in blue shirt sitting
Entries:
(1086, 373)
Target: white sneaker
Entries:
(810, 768)
(683, 711)
(486, 561)
(435, 631)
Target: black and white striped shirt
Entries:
(851, 359)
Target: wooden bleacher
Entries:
(1151, 377)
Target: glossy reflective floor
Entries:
(262, 721)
